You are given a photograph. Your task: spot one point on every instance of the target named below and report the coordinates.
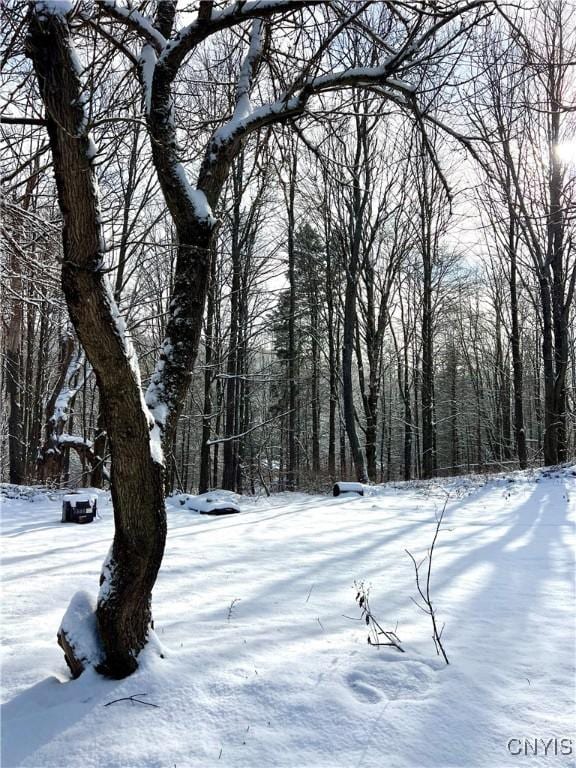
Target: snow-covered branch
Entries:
(293, 105)
(69, 390)
(236, 13)
(135, 21)
(248, 71)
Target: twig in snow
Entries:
(134, 700)
(231, 607)
(376, 632)
(424, 591)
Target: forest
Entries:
(263, 246)
(391, 275)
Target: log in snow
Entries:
(345, 487)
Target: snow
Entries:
(80, 498)
(403, 85)
(79, 625)
(217, 17)
(147, 63)
(155, 401)
(224, 134)
(156, 450)
(106, 577)
(265, 662)
(197, 198)
(92, 151)
(243, 107)
(55, 7)
(120, 328)
(67, 393)
(121, 332)
(61, 405)
(211, 503)
(74, 440)
(347, 487)
(244, 117)
(142, 22)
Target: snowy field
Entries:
(265, 661)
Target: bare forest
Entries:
(265, 245)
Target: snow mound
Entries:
(211, 503)
(80, 630)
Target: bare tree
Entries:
(137, 430)
(528, 177)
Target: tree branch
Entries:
(135, 21)
(247, 432)
(205, 26)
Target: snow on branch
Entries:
(243, 107)
(248, 70)
(54, 7)
(75, 441)
(147, 64)
(68, 391)
(236, 13)
(293, 105)
(196, 197)
(135, 20)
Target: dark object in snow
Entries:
(79, 507)
(133, 699)
(220, 511)
(342, 487)
(374, 628)
(211, 503)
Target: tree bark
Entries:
(129, 573)
(427, 395)
(204, 481)
(332, 361)
(230, 447)
(517, 365)
(292, 458)
(357, 206)
(13, 366)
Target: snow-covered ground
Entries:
(265, 662)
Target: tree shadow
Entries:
(46, 710)
(500, 640)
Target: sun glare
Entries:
(566, 152)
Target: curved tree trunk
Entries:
(124, 605)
